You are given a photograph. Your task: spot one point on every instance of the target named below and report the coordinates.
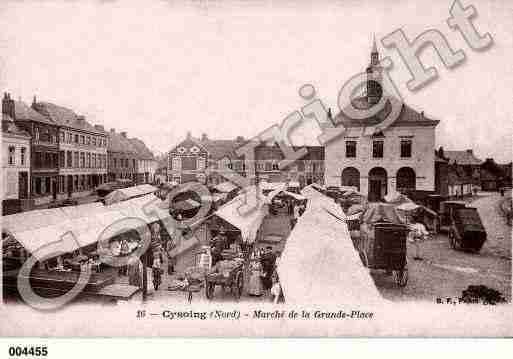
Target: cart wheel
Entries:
(209, 289)
(401, 277)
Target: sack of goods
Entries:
(195, 275)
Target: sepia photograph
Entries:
(259, 168)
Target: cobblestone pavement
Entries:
(498, 231)
(444, 272)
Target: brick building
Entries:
(122, 157)
(146, 165)
(82, 151)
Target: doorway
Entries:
(23, 184)
(377, 184)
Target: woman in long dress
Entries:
(135, 272)
(255, 278)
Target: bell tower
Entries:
(374, 77)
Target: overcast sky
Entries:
(157, 69)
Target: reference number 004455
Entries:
(37, 351)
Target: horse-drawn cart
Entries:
(228, 274)
(466, 231)
(382, 242)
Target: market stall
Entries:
(319, 264)
(124, 194)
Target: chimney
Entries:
(422, 114)
(8, 106)
(441, 152)
(471, 152)
(34, 101)
(123, 134)
(99, 128)
(204, 137)
(112, 130)
(189, 136)
(330, 115)
(239, 139)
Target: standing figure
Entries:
(255, 277)
(135, 272)
(267, 260)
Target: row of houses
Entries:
(459, 173)
(51, 153)
(402, 157)
(192, 158)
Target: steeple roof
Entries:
(374, 46)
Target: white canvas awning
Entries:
(68, 235)
(319, 264)
(226, 187)
(247, 223)
(124, 194)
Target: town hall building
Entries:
(401, 157)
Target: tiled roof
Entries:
(118, 143)
(142, 151)
(25, 112)
(65, 117)
(9, 127)
(456, 175)
(407, 116)
(220, 148)
(462, 158)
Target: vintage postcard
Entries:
(256, 168)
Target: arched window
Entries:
(405, 179)
(351, 177)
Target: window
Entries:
(88, 140)
(405, 148)
(47, 185)
(275, 166)
(38, 186)
(23, 155)
(36, 134)
(115, 162)
(133, 163)
(189, 163)
(75, 160)
(94, 160)
(69, 160)
(76, 138)
(82, 139)
(61, 158)
(12, 154)
(201, 163)
(176, 163)
(62, 136)
(377, 149)
(268, 166)
(94, 141)
(88, 160)
(82, 159)
(350, 149)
